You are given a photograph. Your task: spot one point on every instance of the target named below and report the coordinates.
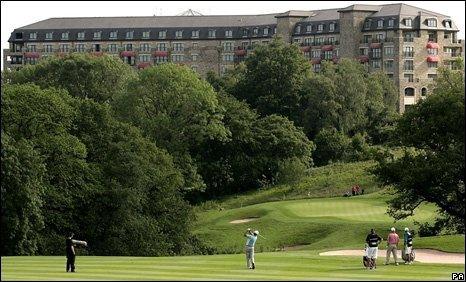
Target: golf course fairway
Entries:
(296, 265)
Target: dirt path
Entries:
(422, 255)
(243, 220)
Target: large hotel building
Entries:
(405, 42)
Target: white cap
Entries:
(392, 229)
(256, 232)
(406, 229)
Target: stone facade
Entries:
(405, 42)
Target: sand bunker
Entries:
(422, 255)
(244, 220)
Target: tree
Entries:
(432, 166)
(82, 75)
(273, 79)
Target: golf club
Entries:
(262, 237)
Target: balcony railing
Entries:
(408, 39)
(408, 54)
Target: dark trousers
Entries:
(70, 258)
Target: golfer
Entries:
(71, 253)
(392, 245)
(250, 242)
(373, 240)
(408, 245)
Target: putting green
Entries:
(299, 265)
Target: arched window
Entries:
(423, 92)
(409, 92)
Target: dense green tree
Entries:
(82, 75)
(432, 166)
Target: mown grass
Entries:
(298, 265)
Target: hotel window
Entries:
(144, 58)
(409, 77)
(228, 33)
(331, 27)
(432, 51)
(64, 48)
(113, 34)
(178, 47)
(331, 40)
(367, 38)
(49, 35)
(194, 57)
(228, 58)
(179, 34)
(48, 48)
(408, 51)
(297, 40)
(297, 29)
(194, 68)
(328, 55)
(80, 48)
(177, 58)
(376, 53)
(319, 40)
(431, 22)
(212, 33)
(376, 64)
(32, 48)
(162, 34)
(245, 45)
(195, 45)
(380, 23)
(255, 31)
(432, 64)
(274, 30)
(145, 34)
(33, 35)
(266, 31)
(144, 47)
(245, 32)
(388, 65)
(367, 24)
(227, 46)
(81, 35)
(320, 28)
(408, 65)
(447, 24)
(129, 34)
(389, 51)
(97, 34)
(447, 50)
(112, 48)
(364, 51)
(65, 35)
(159, 60)
(408, 22)
(195, 34)
(129, 47)
(391, 22)
(316, 67)
(161, 47)
(309, 28)
(380, 37)
(315, 53)
(308, 41)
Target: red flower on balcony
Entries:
(240, 52)
(432, 45)
(375, 45)
(305, 48)
(364, 58)
(432, 59)
(316, 61)
(161, 53)
(327, 48)
(127, 54)
(143, 65)
(31, 55)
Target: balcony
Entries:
(327, 48)
(408, 39)
(31, 55)
(127, 54)
(432, 45)
(363, 58)
(305, 48)
(408, 54)
(161, 54)
(432, 58)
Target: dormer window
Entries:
(33, 35)
(309, 28)
(129, 34)
(228, 33)
(81, 35)
(255, 31)
(49, 35)
(212, 33)
(408, 22)
(162, 34)
(195, 34)
(391, 23)
(97, 34)
(274, 30)
(113, 34)
(145, 34)
(297, 29)
(245, 32)
(432, 22)
(179, 34)
(65, 35)
(447, 24)
(331, 27)
(320, 27)
(266, 31)
(380, 23)
(367, 24)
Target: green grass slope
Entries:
(299, 265)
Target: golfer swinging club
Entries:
(250, 242)
(70, 252)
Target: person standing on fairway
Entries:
(70, 252)
(392, 245)
(373, 240)
(408, 245)
(250, 242)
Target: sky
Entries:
(16, 14)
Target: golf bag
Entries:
(408, 257)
